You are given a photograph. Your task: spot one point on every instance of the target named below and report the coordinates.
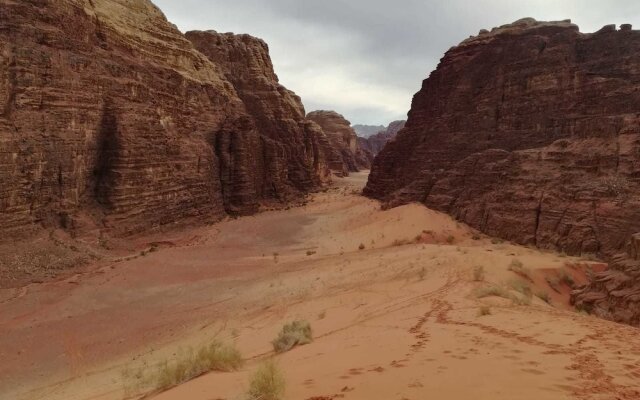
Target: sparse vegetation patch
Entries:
(267, 383)
(296, 333)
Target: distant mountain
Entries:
(366, 131)
(375, 143)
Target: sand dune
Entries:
(391, 296)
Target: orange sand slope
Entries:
(398, 319)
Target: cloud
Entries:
(366, 58)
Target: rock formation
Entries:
(108, 111)
(530, 132)
(365, 131)
(344, 141)
(375, 143)
(286, 142)
(615, 293)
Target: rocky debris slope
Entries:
(346, 156)
(108, 111)
(529, 132)
(375, 143)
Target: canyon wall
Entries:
(530, 132)
(347, 155)
(375, 143)
(111, 119)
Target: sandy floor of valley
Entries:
(397, 319)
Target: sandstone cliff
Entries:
(287, 143)
(375, 143)
(346, 156)
(108, 111)
(529, 132)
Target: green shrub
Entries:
(297, 333)
(267, 383)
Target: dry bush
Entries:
(554, 283)
(362, 246)
(267, 383)
(567, 279)
(521, 287)
(489, 291)
(518, 268)
(186, 366)
(401, 242)
(484, 311)
(213, 357)
(544, 296)
(297, 333)
(478, 273)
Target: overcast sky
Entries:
(366, 58)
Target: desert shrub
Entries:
(484, 311)
(478, 273)
(400, 242)
(362, 246)
(489, 291)
(554, 283)
(296, 333)
(267, 383)
(518, 268)
(521, 287)
(567, 279)
(451, 239)
(310, 253)
(498, 291)
(544, 296)
(213, 357)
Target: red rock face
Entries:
(531, 133)
(375, 143)
(286, 155)
(108, 111)
(346, 156)
(615, 294)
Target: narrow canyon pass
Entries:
(114, 123)
(174, 224)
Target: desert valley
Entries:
(174, 224)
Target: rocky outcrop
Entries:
(375, 143)
(615, 293)
(344, 142)
(544, 152)
(108, 111)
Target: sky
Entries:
(367, 58)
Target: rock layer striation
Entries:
(346, 155)
(108, 112)
(530, 132)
